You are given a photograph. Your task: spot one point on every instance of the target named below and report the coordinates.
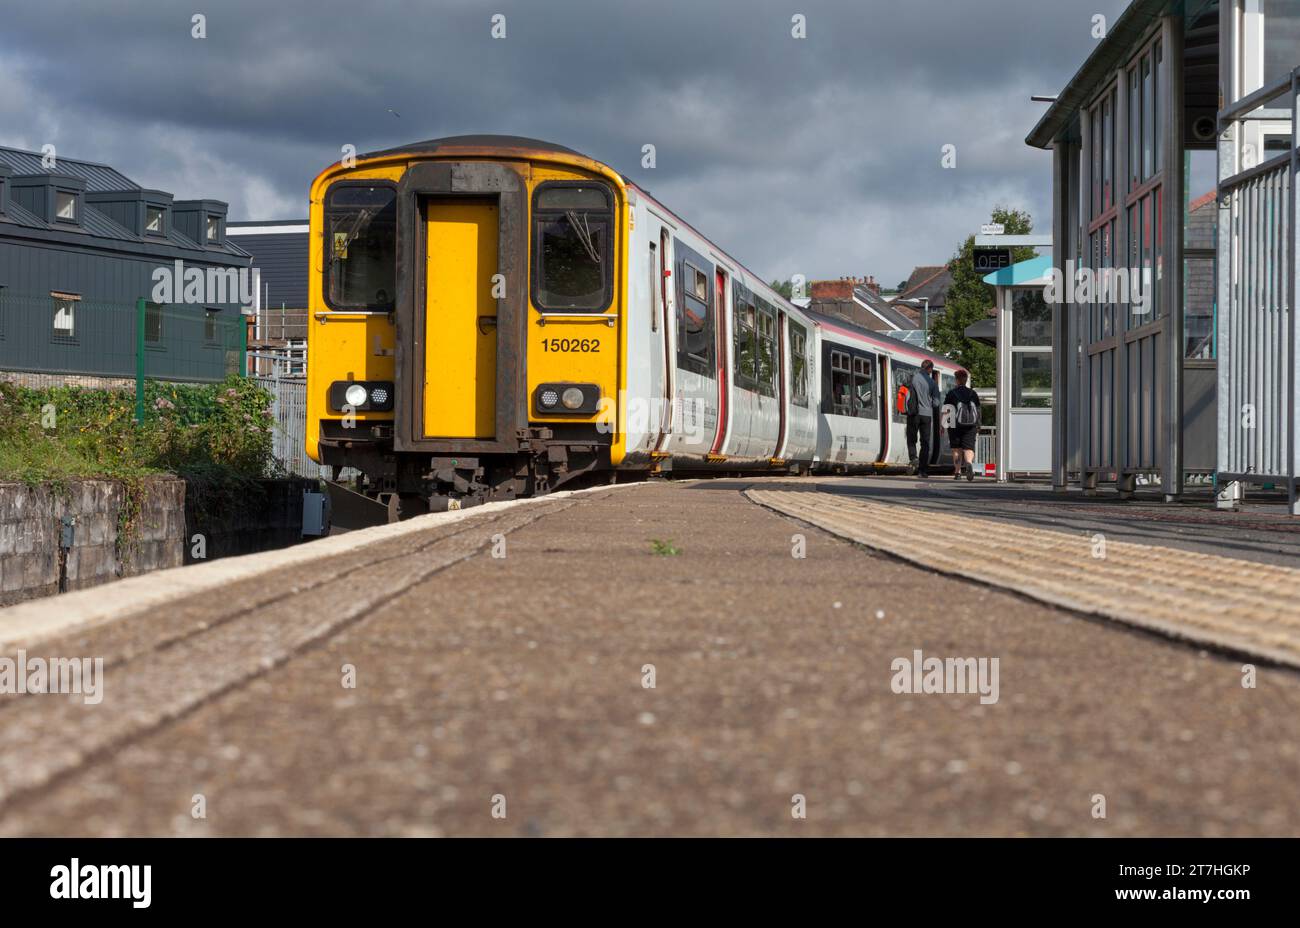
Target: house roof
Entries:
(98, 177)
(875, 303)
(927, 281)
(1110, 54)
(95, 223)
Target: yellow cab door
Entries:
(460, 338)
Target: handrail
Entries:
(1255, 98)
(607, 318)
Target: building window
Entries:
(1031, 380)
(153, 220)
(153, 323)
(214, 228)
(65, 206)
(1031, 319)
(65, 314)
(210, 325)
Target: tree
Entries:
(969, 299)
(783, 287)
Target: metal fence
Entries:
(289, 409)
(59, 338)
(1259, 411)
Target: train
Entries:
(494, 317)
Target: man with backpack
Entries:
(964, 426)
(922, 401)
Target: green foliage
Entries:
(205, 432)
(664, 548)
(969, 300)
(783, 287)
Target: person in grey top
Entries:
(922, 401)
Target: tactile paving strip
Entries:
(1221, 601)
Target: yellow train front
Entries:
(466, 319)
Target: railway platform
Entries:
(693, 657)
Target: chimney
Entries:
(872, 285)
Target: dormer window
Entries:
(65, 206)
(153, 220)
(214, 228)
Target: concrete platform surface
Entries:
(508, 695)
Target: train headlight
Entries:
(565, 399)
(361, 395)
(356, 395)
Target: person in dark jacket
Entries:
(962, 408)
(922, 401)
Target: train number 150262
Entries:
(584, 345)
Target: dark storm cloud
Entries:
(819, 156)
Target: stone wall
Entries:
(112, 539)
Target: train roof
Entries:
(884, 341)
(431, 146)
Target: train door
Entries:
(460, 338)
(695, 399)
(724, 386)
(783, 390)
(887, 404)
(665, 340)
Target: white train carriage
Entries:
(726, 374)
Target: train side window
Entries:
(902, 376)
(841, 399)
(766, 373)
(572, 269)
(654, 288)
(694, 320)
(744, 342)
(361, 247)
(798, 364)
(864, 386)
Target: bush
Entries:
(204, 432)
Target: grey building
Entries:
(80, 244)
(279, 252)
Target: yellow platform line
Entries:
(1205, 598)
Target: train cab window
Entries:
(744, 342)
(695, 348)
(572, 266)
(864, 387)
(361, 247)
(798, 364)
(841, 398)
(767, 360)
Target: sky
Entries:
(820, 155)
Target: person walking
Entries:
(964, 426)
(922, 400)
